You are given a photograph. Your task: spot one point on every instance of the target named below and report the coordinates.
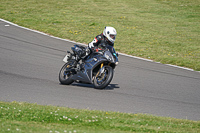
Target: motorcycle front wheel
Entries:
(65, 75)
(102, 81)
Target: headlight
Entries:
(108, 56)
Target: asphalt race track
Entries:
(30, 63)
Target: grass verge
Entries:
(167, 31)
(26, 117)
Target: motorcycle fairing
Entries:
(85, 75)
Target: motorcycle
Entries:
(97, 68)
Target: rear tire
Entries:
(65, 76)
(105, 79)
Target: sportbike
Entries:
(97, 68)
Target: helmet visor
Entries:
(113, 37)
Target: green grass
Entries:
(26, 117)
(166, 31)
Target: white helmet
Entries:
(110, 33)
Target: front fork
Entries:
(102, 69)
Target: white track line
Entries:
(85, 44)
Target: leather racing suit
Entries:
(99, 41)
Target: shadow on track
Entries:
(109, 87)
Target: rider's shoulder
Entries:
(99, 37)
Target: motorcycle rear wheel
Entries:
(100, 82)
(65, 76)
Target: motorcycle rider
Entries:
(106, 38)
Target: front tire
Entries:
(100, 82)
(65, 76)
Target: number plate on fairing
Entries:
(66, 58)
